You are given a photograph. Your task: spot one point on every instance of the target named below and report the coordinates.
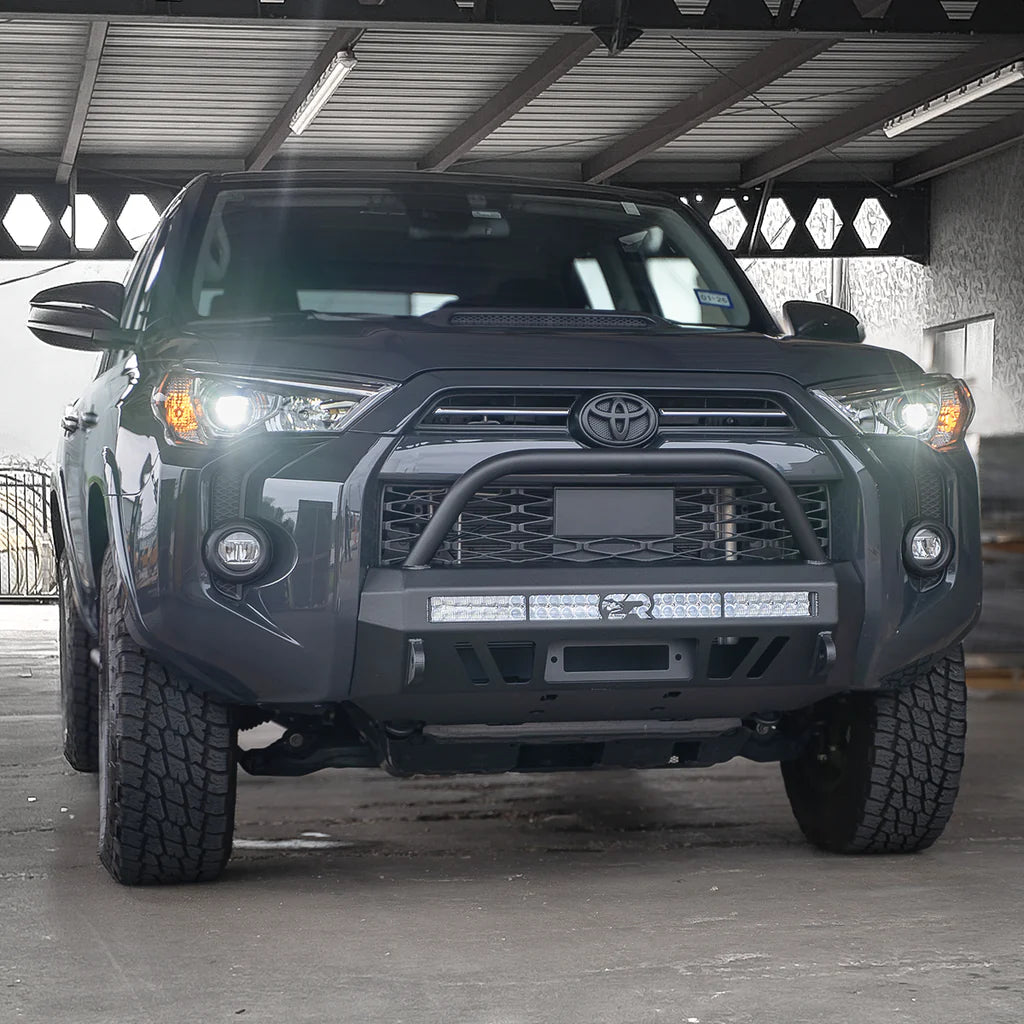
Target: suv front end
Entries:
(449, 474)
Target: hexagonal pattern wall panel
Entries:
(26, 222)
(89, 223)
(729, 223)
(824, 224)
(778, 223)
(137, 219)
(872, 223)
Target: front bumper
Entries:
(409, 668)
(329, 626)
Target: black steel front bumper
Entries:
(410, 668)
(329, 626)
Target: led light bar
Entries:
(587, 607)
(547, 607)
(768, 604)
(316, 99)
(957, 98)
(478, 608)
(687, 606)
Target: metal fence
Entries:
(28, 567)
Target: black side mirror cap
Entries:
(84, 316)
(818, 321)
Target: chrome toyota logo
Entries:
(617, 420)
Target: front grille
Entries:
(515, 526)
(679, 410)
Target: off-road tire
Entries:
(167, 762)
(882, 770)
(79, 679)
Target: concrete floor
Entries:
(624, 898)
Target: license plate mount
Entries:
(583, 513)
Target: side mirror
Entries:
(820, 322)
(80, 316)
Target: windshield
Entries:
(413, 250)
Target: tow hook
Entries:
(824, 653)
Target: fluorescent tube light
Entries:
(343, 62)
(958, 98)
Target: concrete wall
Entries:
(977, 269)
(890, 295)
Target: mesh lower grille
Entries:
(929, 496)
(226, 494)
(515, 526)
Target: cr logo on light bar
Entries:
(621, 607)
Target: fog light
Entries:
(927, 548)
(238, 551)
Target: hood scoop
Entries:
(552, 321)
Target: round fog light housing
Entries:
(238, 551)
(927, 548)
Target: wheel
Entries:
(79, 679)
(167, 762)
(882, 770)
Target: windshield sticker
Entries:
(720, 299)
(632, 209)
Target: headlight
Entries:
(202, 407)
(938, 410)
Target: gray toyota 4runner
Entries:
(450, 474)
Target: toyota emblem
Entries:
(617, 420)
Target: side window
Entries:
(144, 271)
(131, 284)
(108, 359)
(146, 289)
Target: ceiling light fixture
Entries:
(957, 98)
(317, 97)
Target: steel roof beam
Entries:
(734, 86)
(960, 151)
(279, 129)
(534, 16)
(551, 65)
(871, 115)
(83, 98)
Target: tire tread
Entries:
(908, 773)
(171, 770)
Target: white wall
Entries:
(37, 381)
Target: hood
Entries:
(397, 350)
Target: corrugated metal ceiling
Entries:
(604, 97)
(195, 93)
(847, 75)
(193, 90)
(40, 66)
(410, 89)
